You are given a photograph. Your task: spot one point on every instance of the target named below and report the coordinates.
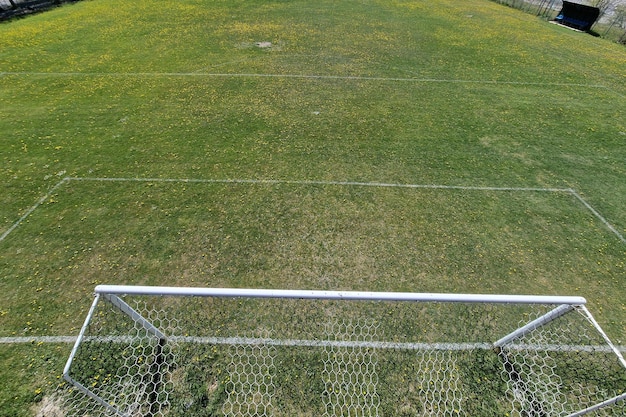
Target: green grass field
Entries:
(468, 95)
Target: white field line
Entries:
(298, 76)
(368, 184)
(313, 343)
(599, 216)
(312, 182)
(36, 339)
(326, 183)
(33, 208)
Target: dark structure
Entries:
(577, 16)
(18, 8)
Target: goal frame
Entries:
(112, 293)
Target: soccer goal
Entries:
(170, 351)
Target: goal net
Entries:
(165, 351)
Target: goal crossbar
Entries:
(339, 295)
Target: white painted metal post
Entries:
(595, 324)
(138, 318)
(338, 295)
(610, 401)
(535, 324)
(66, 370)
(81, 334)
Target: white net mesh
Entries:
(552, 372)
(350, 370)
(439, 380)
(250, 387)
(197, 356)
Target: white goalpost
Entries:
(172, 351)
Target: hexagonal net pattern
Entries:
(140, 355)
(440, 383)
(560, 368)
(123, 364)
(249, 388)
(350, 375)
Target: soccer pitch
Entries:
(372, 146)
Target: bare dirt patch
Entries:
(265, 45)
(50, 406)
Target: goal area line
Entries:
(65, 180)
